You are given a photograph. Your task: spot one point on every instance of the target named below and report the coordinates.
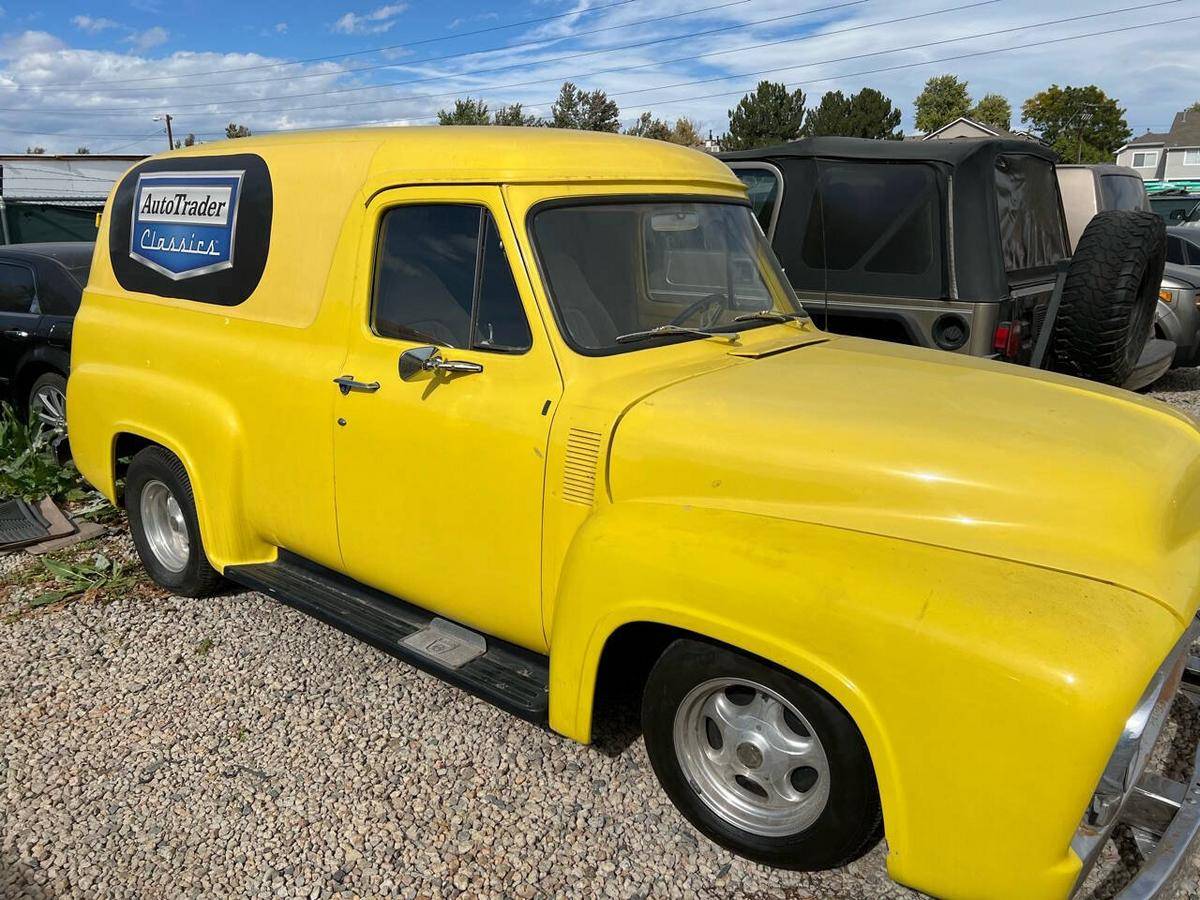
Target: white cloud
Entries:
(148, 39)
(478, 17)
(1126, 65)
(377, 20)
(94, 25)
(281, 27)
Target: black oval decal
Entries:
(194, 228)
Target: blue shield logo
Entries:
(184, 222)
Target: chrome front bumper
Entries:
(1164, 817)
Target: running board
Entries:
(508, 676)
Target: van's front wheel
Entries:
(761, 761)
(162, 519)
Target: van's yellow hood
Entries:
(925, 446)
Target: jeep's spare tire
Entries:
(1109, 297)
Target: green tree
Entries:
(686, 133)
(188, 141)
(943, 100)
(584, 110)
(465, 112)
(1195, 107)
(767, 115)
(993, 109)
(647, 126)
(1083, 124)
(236, 131)
(514, 114)
(82, 151)
(34, 151)
(867, 114)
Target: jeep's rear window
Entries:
(1032, 231)
(1123, 192)
(442, 277)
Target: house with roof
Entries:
(1166, 156)
(964, 127)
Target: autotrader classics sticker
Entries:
(184, 223)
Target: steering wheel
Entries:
(711, 306)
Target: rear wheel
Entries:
(162, 520)
(48, 410)
(762, 762)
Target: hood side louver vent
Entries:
(579, 472)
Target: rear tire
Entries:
(47, 406)
(162, 520)
(760, 760)
(1109, 297)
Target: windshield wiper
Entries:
(666, 330)
(770, 315)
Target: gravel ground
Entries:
(154, 746)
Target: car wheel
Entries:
(162, 519)
(48, 410)
(1110, 296)
(759, 760)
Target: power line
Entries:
(411, 98)
(732, 93)
(897, 67)
(125, 110)
(409, 63)
(346, 55)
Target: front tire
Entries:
(759, 760)
(163, 522)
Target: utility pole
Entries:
(170, 137)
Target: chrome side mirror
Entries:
(414, 362)
(429, 359)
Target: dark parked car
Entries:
(1177, 207)
(40, 289)
(957, 245)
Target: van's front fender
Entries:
(989, 693)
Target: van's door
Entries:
(439, 474)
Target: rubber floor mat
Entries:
(21, 524)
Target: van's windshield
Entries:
(616, 271)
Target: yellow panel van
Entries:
(534, 409)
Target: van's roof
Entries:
(499, 154)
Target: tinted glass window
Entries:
(763, 188)
(501, 323)
(1032, 233)
(425, 275)
(1123, 192)
(1176, 209)
(425, 282)
(1193, 253)
(1175, 251)
(878, 218)
(16, 289)
(616, 271)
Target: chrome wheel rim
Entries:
(49, 408)
(751, 757)
(164, 526)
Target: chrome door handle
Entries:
(346, 384)
(17, 334)
(455, 366)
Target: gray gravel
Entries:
(153, 746)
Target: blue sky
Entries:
(75, 74)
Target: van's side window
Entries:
(441, 276)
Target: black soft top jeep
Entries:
(951, 244)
